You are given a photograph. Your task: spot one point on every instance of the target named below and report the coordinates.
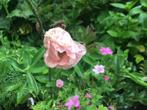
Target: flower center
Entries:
(61, 54)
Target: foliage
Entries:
(120, 25)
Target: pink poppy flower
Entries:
(62, 51)
(73, 101)
(106, 51)
(59, 83)
(98, 69)
(106, 78)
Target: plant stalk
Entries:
(35, 11)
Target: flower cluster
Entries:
(63, 52)
(101, 68)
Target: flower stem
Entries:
(34, 9)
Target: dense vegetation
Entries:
(118, 24)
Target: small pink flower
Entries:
(59, 83)
(106, 51)
(88, 95)
(106, 78)
(73, 101)
(111, 107)
(62, 51)
(98, 69)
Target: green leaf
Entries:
(112, 33)
(4, 23)
(42, 78)
(37, 56)
(4, 2)
(138, 58)
(22, 94)
(32, 84)
(101, 107)
(22, 10)
(136, 78)
(13, 87)
(38, 69)
(42, 105)
(143, 20)
(118, 5)
(26, 58)
(143, 3)
(77, 69)
(92, 107)
(136, 10)
(117, 64)
(141, 48)
(89, 59)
